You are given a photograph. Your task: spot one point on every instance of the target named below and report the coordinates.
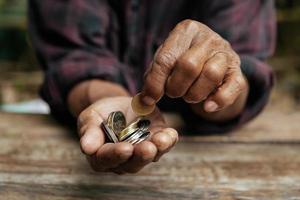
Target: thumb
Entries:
(154, 83)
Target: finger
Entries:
(186, 70)
(210, 78)
(178, 41)
(93, 138)
(91, 135)
(164, 141)
(144, 153)
(227, 93)
(111, 155)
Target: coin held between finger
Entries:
(139, 108)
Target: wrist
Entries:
(87, 92)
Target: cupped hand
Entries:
(121, 157)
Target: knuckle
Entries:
(189, 67)
(213, 74)
(166, 60)
(189, 24)
(216, 41)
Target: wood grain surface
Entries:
(40, 159)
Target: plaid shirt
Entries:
(115, 40)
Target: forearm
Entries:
(87, 92)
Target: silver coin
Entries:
(116, 130)
(136, 135)
(118, 122)
(139, 134)
(129, 130)
(109, 133)
(141, 138)
(144, 136)
(144, 124)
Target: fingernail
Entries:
(149, 101)
(211, 106)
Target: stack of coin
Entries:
(116, 130)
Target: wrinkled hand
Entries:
(121, 157)
(197, 64)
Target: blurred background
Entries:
(20, 75)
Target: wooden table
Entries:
(41, 160)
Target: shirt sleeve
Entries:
(71, 40)
(249, 26)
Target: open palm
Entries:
(121, 157)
